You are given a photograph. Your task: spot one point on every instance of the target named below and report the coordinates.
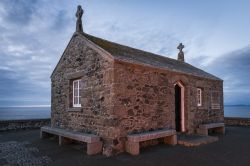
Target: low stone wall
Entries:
(23, 124)
(231, 121)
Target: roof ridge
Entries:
(162, 56)
(131, 54)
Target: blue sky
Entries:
(34, 34)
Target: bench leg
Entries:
(202, 131)
(94, 148)
(64, 141)
(220, 130)
(172, 140)
(133, 148)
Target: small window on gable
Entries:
(76, 93)
(199, 97)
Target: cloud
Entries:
(234, 69)
(34, 34)
(61, 21)
(15, 90)
(31, 44)
(20, 11)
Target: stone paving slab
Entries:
(195, 140)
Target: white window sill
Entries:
(201, 107)
(74, 109)
(77, 106)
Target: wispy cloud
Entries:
(29, 49)
(234, 68)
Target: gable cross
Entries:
(180, 47)
(79, 14)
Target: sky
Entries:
(34, 34)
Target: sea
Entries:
(21, 113)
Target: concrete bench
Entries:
(133, 140)
(217, 127)
(94, 144)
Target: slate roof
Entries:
(126, 53)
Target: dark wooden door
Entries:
(178, 108)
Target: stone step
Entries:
(195, 140)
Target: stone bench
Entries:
(217, 127)
(133, 140)
(94, 144)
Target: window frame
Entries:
(199, 97)
(78, 104)
(217, 104)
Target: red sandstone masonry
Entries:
(119, 98)
(130, 82)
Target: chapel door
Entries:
(178, 108)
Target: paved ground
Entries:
(25, 147)
(195, 140)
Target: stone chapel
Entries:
(114, 91)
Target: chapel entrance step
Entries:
(195, 140)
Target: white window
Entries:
(76, 93)
(199, 97)
(215, 100)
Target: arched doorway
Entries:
(179, 107)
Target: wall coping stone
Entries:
(237, 121)
(24, 120)
(6, 125)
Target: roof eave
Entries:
(165, 69)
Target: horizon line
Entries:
(28, 106)
(48, 105)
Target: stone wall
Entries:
(23, 124)
(118, 98)
(205, 113)
(144, 99)
(232, 121)
(83, 61)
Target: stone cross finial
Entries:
(181, 53)
(180, 47)
(79, 14)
